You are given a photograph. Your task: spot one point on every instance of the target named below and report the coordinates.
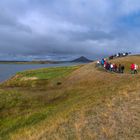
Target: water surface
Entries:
(8, 70)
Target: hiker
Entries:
(111, 67)
(107, 66)
(115, 68)
(119, 68)
(102, 62)
(124, 54)
(122, 69)
(111, 57)
(105, 63)
(132, 67)
(135, 68)
(98, 64)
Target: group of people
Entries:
(119, 55)
(112, 67)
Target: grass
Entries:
(88, 104)
(49, 73)
(20, 108)
(40, 78)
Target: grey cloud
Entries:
(67, 27)
(91, 35)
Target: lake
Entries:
(9, 70)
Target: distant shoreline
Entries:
(81, 59)
(30, 62)
(9, 69)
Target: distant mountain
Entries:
(81, 59)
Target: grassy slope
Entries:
(82, 103)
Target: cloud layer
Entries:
(65, 28)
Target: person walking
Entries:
(115, 67)
(102, 62)
(119, 68)
(105, 63)
(98, 63)
(111, 67)
(135, 68)
(122, 68)
(107, 66)
(132, 67)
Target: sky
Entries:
(66, 29)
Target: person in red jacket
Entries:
(132, 68)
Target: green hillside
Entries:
(71, 103)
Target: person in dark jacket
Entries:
(107, 66)
(122, 69)
(111, 57)
(115, 68)
(119, 68)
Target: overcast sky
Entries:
(64, 29)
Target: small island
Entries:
(82, 59)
